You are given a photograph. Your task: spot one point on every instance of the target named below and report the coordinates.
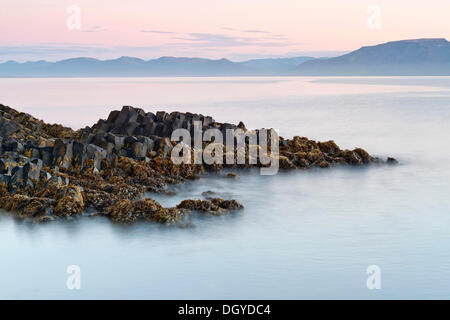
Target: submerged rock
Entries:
(215, 206)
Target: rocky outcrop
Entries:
(215, 206)
(48, 171)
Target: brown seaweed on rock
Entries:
(48, 171)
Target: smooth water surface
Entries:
(302, 234)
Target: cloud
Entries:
(225, 44)
(94, 29)
(256, 31)
(158, 31)
(60, 51)
(221, 40)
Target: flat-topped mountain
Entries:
(406, 57)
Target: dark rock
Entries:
(59, 150)
(364, 155)
(148, 143)
(137, 150)
(164, 146)
(209, 195)
(391, 161)
(32, 169)
(47, 155)
(17, 180)
(113, 116)
(13, 145)
(285, 163)
(118, 141)
(97, 153)
(44, 176)
(129, 142)
(7, 127)
(127, 114)
(68, 156)
(101, 126)
(161, 116)
(4, 180)
(208, 121)
(3, 166)
(78, 153)
(7, 165)
(45, 219)
(215, 206)
(329, 147)
(351, 157)
(129, 128)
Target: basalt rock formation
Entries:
(48, 171)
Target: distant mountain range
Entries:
(406, 57)
(135, 67)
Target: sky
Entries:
(233, 29)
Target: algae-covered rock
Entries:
(48, 171)
(71, 203)
(215, 206)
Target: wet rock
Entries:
(3, 166)
(163, 146)
(27, 206)
(46, 155)
(13, 145)
(118, 141)
(97, 153)
(32, 170)
(137, 150)
(45, 219)
(7, 127)
(4, 180)
(285, 163)
(148, 143)
(364, 155)
(241, 126)
(329, 147)
(351, 157)
(17, 180)
(112, 116)
(391, 161)
(209, 195)
(44, 176)
(68, 155)
(78, 153)
(324, 164)
(71, 203)
(126, 211)
(215, 206)
(315, 156)
(49, 171)
(126, 116)
(58, 152)
(45, 143)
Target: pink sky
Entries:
(236, 29)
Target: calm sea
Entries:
(303, 234)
